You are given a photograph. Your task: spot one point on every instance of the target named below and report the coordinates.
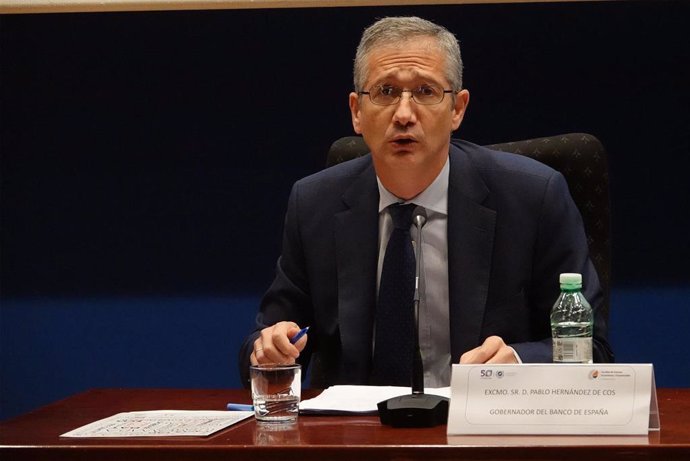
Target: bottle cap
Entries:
(570, 279)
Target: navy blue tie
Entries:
(394, 338)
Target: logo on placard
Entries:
(486, 374)
(594, 374)
(499, 374)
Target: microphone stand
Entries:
(417, 362)
(417, 409)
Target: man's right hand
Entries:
(273, 345)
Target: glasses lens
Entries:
(385, 95)
(427, 94)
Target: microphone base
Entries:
(414, 410)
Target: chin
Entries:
(398, 155)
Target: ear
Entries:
(462, 99)
(354, 111)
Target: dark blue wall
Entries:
(146, 160)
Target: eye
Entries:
(426, 91)
(387, 90)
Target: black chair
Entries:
(580, 157)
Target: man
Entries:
(500, 229)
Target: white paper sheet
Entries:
(161, 423)
(357, 399)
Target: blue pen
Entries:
(239, 407)
(297, 337)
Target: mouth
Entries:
(403, 142)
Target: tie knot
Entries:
(402, 215)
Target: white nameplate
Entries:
(553, 399)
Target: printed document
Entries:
(161, 423)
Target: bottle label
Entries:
(572, 350)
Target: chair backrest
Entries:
(582, 160)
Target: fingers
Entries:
(273, 345)
(505, 354)
(493, 350)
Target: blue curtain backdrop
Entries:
(146, 160)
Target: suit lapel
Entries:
(471, 228)
(356, 239)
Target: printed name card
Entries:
(553, 399)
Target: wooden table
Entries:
(36, 435)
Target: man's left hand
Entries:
(494, 350)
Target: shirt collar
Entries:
(434, 197)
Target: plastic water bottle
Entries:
(571, 323)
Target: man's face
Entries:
(408, 135)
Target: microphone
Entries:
(417, 409)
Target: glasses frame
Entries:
(399, 97)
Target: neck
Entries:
(404, 186)
(408, 182)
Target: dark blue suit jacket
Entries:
(512, 229)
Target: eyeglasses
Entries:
(387, 95)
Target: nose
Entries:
(405, 110)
